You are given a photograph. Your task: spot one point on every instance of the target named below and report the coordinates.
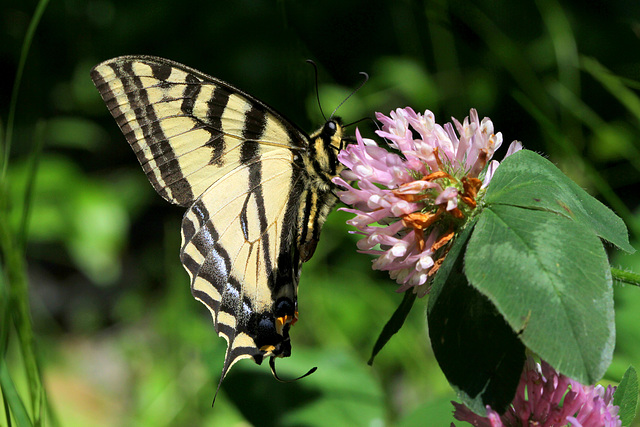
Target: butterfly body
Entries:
(257, 188)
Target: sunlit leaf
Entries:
(626, 396)
(528, 180)
(550, 279)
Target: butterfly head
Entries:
(332, 133)
(325, 143)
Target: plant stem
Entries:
(627, 277)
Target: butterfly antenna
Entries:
(315, 67)
(366, 79)
(351, 139)
(272, 365)
(362, 120)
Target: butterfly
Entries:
(258, 190)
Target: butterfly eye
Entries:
(329, 129)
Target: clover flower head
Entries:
(546, 398)
(409, 200)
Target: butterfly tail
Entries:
(234, 353)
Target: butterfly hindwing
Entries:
(257, 187)
(245, 260)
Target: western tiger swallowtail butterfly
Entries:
(257, 189)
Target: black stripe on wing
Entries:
(142, 128)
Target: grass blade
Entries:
(15, 302)
(10, 394)
(26, 45)
(34, 161)
(613, 84)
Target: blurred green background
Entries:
(119, 339)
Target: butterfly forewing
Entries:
(255, 185)
(186, 128)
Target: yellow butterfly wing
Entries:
(257, 187)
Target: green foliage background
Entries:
(119, 338)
